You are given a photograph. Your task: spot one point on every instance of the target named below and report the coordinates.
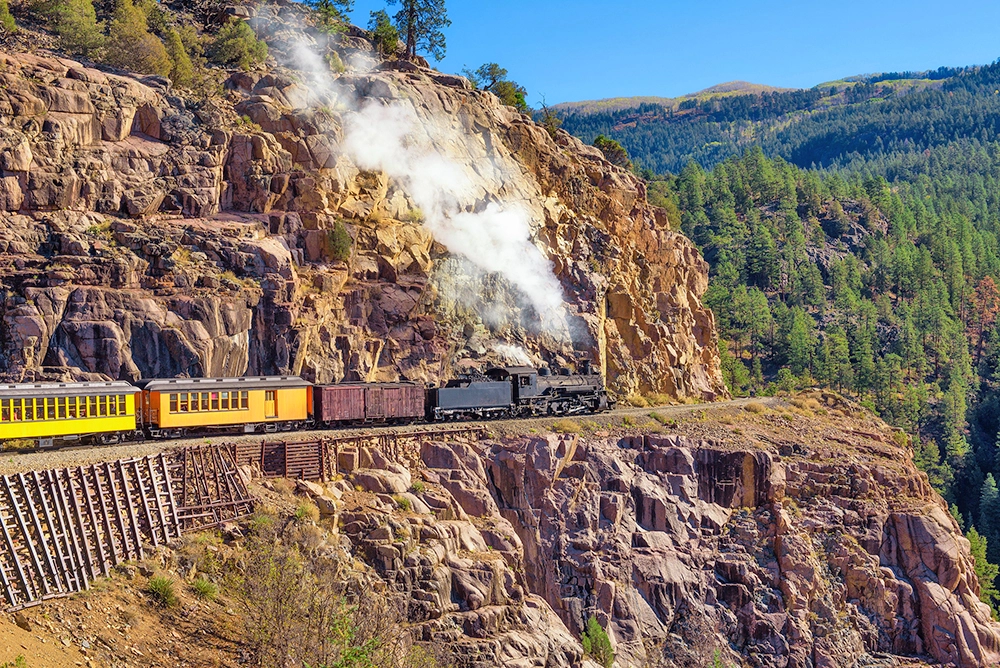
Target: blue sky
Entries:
(584, 49)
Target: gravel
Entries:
(15, 461)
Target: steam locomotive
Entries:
(116, 411)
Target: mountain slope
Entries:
(830, 124)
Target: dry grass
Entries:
(755, 407)
(566, 427)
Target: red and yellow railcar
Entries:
(174, 407)
(47, 413)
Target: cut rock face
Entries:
(147, 235)
(682, 548)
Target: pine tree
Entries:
(384, 34)
(989, 517)
(182, 70)
(986, 571)
(75, 21)
(420, 22)
(130, 44)
(7, 21)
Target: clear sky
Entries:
(583, 50)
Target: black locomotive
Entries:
(518, 391)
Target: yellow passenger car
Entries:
(175, 406)
(52, 412)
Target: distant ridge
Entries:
(618, 103)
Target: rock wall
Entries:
(790, 556)
(149, 233)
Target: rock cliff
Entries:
(788, 538)
(151, 232)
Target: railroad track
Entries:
(36, 459)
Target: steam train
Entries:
(116, 411)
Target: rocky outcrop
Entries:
(683, 548)
(147, 233)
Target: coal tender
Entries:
(518, 391)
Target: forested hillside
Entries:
(852, 233)
(836, 124)
(879, 282)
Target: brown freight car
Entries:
(368, 402)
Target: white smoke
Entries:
(514, 354)
(495, 237)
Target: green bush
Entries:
(596, 643)
(161, 590)
(76, 24)
(403, 503)
(6, 18)
(18, 662)
(306, 511)
(338, 243)
(237, 44)
(131, 46)
(205, 589)
(417, 487)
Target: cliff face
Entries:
(149, 234)
(797, 540)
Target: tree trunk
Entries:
(411, 29)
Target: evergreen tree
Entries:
(989, 517)
(493, 78)
(986, 571)
(330, 15)
(420, 23)
(384, 34)
(131, 46)
(182, 70)
(613, 151)
(237, 44)
(7, 21)
(76, 24)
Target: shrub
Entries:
(403, 503)
(628, 421)
(755, 407)
(182, 71)
(417, 487)
(161, 590)
(335, 63)
(596, 643)
(338, 243)
(75, 22)
(637, 400)
(237, 44)
(613, 152)
(205, 589)
(661, 418)
(130, 44)
(6, 18)
(566, 427)
(306, 511)
(18, 662)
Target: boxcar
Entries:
(51, 412)
(340, 403)
(369, 402)
(176, 406)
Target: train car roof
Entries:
(22, 390)
(361, 383)
(208, 384)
